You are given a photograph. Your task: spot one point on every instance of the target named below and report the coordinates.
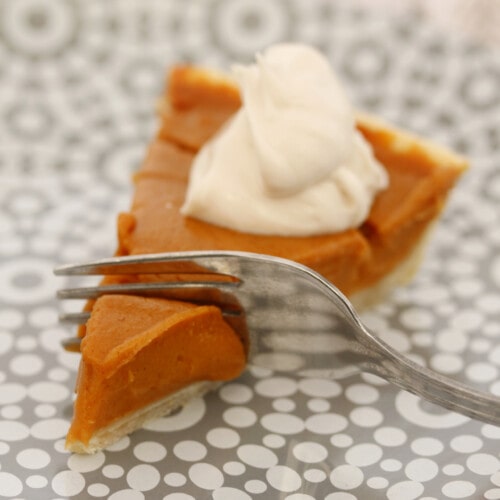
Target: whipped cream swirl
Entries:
(290, 162)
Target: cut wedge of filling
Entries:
(143, 357)
(139, 350)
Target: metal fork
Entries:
(293, 316)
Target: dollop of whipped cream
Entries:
(290, 162)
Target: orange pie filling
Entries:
(137, 351)
(131, 360)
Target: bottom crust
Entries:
(112, 433)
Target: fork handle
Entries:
(430, 385)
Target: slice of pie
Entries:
(142, 357)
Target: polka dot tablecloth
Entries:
(78, 83)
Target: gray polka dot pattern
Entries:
(78, 84)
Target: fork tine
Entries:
(149, 288)
(218, 293)
(72, 344)
(195, 262)
(78, 318)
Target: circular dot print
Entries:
(422, 470)
(240, 417)
(190, 451)
(223, 437)
(310, 452)
(175, 479)
(234, 468)
(206, 476)
(113, 471)
(390, 436)
(283, 478)
(68, 483)
(257, 456)
(346, 477)
(86, 463)
(143, 477)
(282, 423)
(236, 393)
(33, 458)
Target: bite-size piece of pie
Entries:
(143, 357)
